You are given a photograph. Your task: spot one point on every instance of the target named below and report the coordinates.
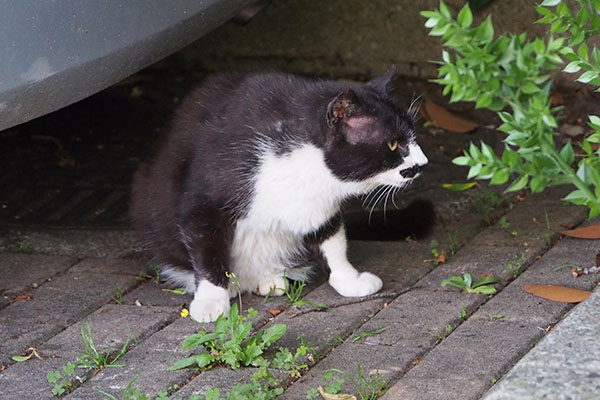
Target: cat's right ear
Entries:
(341, 107)
(385, 82)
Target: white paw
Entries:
(207, 310)
(209, 302)
(362, 284)
(272, 286)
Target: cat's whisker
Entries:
(394, 197)
(382, 192)
(376, 197)
(372, 193)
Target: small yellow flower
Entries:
(184, 313)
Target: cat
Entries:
(251, 176)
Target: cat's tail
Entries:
(415, 220)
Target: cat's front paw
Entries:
(273, 286)
(206, 310)
(359, 285)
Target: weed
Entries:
(438, 255)
(548, 232)
(488, 203)
(463, 311)
(514, 267)
(465, 283)
(236, 282)
(504, 223)
(453, 242)
(143, 275)
(338, 339)
(493, 317)
(32, 352)
(229, 343)
(177, 292)
(23, 248)
(284, 359)
(367, 387)
(367, 333)
(61, 380)
(94, 359)
(117, 296)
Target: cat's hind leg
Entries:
(344, 278)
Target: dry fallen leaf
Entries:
(339, 396)
(442, 257)
(274, 312)
(446, 120)
(558, 293)
(588, 232)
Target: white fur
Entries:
(179, 277)
(344, 278)
(209, 302)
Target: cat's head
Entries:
(370, 138)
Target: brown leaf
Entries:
(588, 232)
(22, 296)
(274, 312)
(339, 396)
(558, 293)
(442, 257)
(446, 120)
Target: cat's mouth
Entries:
(412, 172)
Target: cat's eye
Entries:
(393, 145)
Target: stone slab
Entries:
(21, 270)
(55, 305)
(73, 242)
(564, 365)
(111, 327)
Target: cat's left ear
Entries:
(385, 82)
(341, 107)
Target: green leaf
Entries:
(467, 279)
(486, 280)
(21, 358)
(459, 187)
(572, 67)
(198, 339)
(273, 333)
(550, 3)
(484, 290)
(461, 160)
(582, 51)
(518, 184)
(484, 100)
(594, 122)
(587, 76)
(465, 17)
(455, 281)
(53, 376)
(183, 363)
(567, 154)
(500, 177)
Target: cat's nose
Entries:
(412, 171)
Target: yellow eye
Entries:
(393, 145)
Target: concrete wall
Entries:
(343, 38)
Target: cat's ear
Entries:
(385, 82)
(341, 107)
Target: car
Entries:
(54, 53)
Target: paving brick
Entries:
(484, 350)
(72, 242)
(55, 305)
(111, 326)
(20, 270)
(149, 361)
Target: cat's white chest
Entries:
(295, 191)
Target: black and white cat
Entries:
(251, 177)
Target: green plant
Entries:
(512, 73)
(94, 359)
(230, 343)
(367, 333)
(548, 231)
(437, 254)
(488, 203)
(514, 267)
(117, 296)
(293, 363)
(61, 380)
(493, 317)
(367, 387)
(465, 283)
(453, 242)
(463, 311)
